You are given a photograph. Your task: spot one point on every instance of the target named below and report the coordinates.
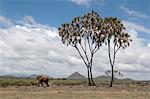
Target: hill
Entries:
(103, 77)
(35, 75)
(76, 76)
(127, 79)
(9, 76)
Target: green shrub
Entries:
(17, 82)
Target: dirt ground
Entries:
(74, 92)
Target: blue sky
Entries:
(56, 12)
(18, 17)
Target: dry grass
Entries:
(71, 92)
(74, 95)
(72, 89)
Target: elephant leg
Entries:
(38, 84)
(47, 83)
(41, 84)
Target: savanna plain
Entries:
(24, 88)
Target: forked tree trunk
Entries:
(112, 71)
(89, 80)
(92, 76)
(112, 76)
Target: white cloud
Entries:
(148, 45)
(5, 22)
(29, 19)
(87, 3)
(82, 2)
(36, 48)
(133, 13)
(136, 27)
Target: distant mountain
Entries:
(127, 79)
(103, 77)
(9, 76)
(14, 75)
(76, 76)
(35, 75)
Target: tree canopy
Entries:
(89, 32)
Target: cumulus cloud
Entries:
(148, 45)
(136, 27)
(82, 2)
(133, 13)
(87, 3)
(4, 22)
(29, 19)
(34, 49)
(37, 49)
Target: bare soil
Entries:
(75, 92)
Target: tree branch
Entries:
(85, 43)
(114, 52)
(81, 56)
(117, 49)
(89, 44)
(95, 49)
(85, 53)
(109, 53)
(91, 60)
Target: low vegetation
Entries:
(6, 81)
(26, 88)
